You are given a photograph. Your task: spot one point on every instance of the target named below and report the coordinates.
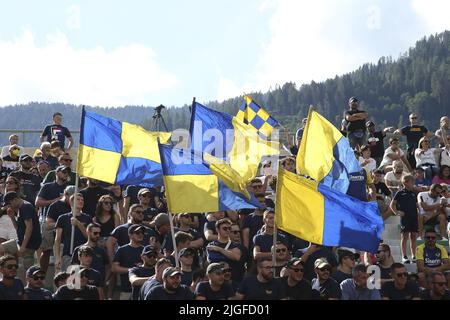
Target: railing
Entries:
(29, 138)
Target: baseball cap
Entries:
(171, 271)
(34, 270)
(293, 262)
(149, 249)
(144, 190)
(321, 262)
(346, 252)
(69, 190)
(9, 197)
(25, 157)
(63, 168)
(299, 133)
(370, 123)
(135, 228)
(186, 251)
(353, 99)
(214, 267)
(161, 219)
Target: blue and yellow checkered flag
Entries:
(254, 115)
(119, 152)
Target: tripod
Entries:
(158, 118)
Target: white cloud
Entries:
(57, 72)
(434, 12)
(73, 20)
(227, 89)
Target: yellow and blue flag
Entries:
(254, 115)
(193, 186)
(227, 139)
(321, 215)
(325, 154)
(119, 152)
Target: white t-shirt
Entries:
(394, 184)
(425, 198)
(426, 157)
(388, 161)
(7, 230)
(445, 157)
(371, 166)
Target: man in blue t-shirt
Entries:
(11, 288)
(127, 257)
(156, 279)
(214, 288)
(262, 286)
(140, 274)
(35, 282)
(76, 222)
(28, 228)
(57, 132)
(171, 289)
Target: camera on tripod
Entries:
(158, 110)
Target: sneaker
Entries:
(413, 260)
(419, 239)
(405, 260)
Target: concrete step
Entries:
(392, 220)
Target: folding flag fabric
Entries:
(321, 215)
(191, 186)
(119, 152)
(325, 154)
(229, 139)
(254, 115)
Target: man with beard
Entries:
(140, 274)
(438, 290)
(215, 288)
(324, 287)
(79, 290)
(35, 282)
(11, 288)
(262, 286)
(29, 181)
(172, 289)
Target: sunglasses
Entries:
(36, 278)
(151, 255)
(402, 274)
(413, 117)
(257, 186)
(281, 250)
(10, 182)
(381, 251)
(108, 202)
(441, 284)
(12, 266)
(325, 269)
(146, 195)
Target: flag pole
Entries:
(72, 236)
(172, 231)
(275, 229)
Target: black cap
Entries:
(294, 262)
(353, 99)
(33, 270)
(9, 197)
(370, 124)
(343, 253)
(186, 251)
(25, 157)
(171, 271)
(149, 249)
(63, 168)
(215, 267)
(135, 228)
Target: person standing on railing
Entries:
(57, 132)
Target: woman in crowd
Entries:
(443, 176)
(106, 217)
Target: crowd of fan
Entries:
(115, 242)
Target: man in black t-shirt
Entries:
(11, 288)
(140, 274)
(384, 262)
(262, 286)
(324, 287)
(295, 287)
(438, 288)
(313, 253)
(400, 288)
(346, 259)
(83, 291)
(30, 183)
(214, 288)
(57, 132)
(414, 132)
(375, 141)
(356, 124)
(172, 289)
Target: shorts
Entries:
(431, 222)
(48, 239)
(409, 224)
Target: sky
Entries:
(148, 52)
